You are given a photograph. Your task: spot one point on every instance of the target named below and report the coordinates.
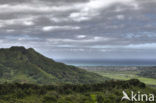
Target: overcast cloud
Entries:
(77, 29)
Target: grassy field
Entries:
(125, 75)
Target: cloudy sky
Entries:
(81, 29)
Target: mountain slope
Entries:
(18, 64)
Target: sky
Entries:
(81, 29)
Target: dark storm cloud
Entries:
(80, 28)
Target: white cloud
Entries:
(1, 25)
(87, 40)
(36, 8)
(118, 9)
(1, 41)
(142, 46)
(58, 20)
(120, 17)
(25, 21)
(79, 16)
(51, 28)
(66, 46)
(77, 49)
(28, 23)
(10, 30)
(81, 36)
(131, 46)
(93, 7)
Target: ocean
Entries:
(110, 62)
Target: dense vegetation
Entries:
(18, 64)
(107, 92)
(149, 72)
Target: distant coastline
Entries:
(109, 62)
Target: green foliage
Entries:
(149, 72)
(107, 92)
(18, 64)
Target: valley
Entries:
(144, 74)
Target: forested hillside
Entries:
(18, 64)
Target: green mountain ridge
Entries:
(18, 64)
